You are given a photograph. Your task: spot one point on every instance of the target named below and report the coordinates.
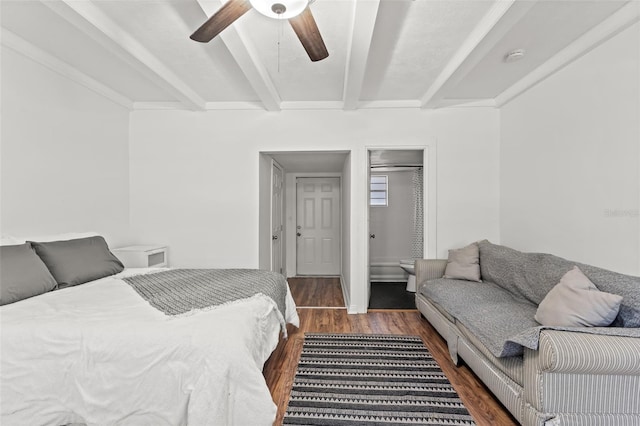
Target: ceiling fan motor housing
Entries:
(280, 9)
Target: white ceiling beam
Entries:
(500, 19)
(246, 56)
(364, 22)
(27, 49)
(626, 16)
(90, 19)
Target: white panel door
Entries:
(277, 190)
(318, 226)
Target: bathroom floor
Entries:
(391, 296)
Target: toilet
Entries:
(409, 267)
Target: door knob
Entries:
(298, 234)
(274, 237)
(372, 235)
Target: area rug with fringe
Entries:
(364, 379)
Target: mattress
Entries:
(99, 354)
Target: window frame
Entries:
(384, 191)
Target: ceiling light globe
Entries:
(273, 8)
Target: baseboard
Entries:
(387, 278)
(386, 272)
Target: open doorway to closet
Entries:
(311, 239)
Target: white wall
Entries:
(64, 155)
(195, 176)
(393, 227)
(570, 159)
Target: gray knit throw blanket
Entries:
(180, 291)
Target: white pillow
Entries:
(576, 302)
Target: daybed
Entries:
(553, 375)
(134, 347)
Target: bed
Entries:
(100, 353)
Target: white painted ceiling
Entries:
(382, 53)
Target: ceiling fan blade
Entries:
(225, 16)
(307, 31)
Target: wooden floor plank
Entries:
(280, 369)
(317, 292)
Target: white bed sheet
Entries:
(100, 354)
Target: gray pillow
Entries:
(576, 302)
(22, 274)
(78, 261)
(464, 264)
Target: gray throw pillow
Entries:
(22, 274)
(576, 302)
(464, 264)
(78, 261)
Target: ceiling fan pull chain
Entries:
(280, 28)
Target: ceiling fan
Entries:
(296, 11)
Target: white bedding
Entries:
(100, 354)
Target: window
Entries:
(379, 190)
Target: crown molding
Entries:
(626, 16)
(23, 47)
(467, 103)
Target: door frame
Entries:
(291, 214)
(283, 243)
(429, 197)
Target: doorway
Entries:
(396, 225)
(318, 226)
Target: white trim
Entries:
(390, 104)
(312, 105)
(93, 22)
(157, 106)
(467, 103)
(345, 295)
(363, 26)
(619, 21)
(210, 106)
(23, 47)
(318, 105)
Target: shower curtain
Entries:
(417, 247)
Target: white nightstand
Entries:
(143, 256)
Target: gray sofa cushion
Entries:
(530, 276)
(488, 311)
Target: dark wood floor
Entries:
(281, 366)
(318, 292)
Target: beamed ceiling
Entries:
(382, 53)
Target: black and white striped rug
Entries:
(364, 379)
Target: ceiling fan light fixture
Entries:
(280, 9)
